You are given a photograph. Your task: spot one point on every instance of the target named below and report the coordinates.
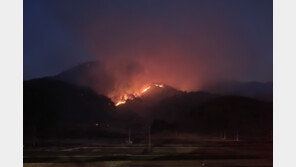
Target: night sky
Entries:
(194, 41)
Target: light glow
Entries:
(119, 103)
(159, 85)
(136, 94)
(143, 91)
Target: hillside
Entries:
(53, 107)
(56, 109)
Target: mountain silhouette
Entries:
(63, 106)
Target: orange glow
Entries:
(119, 103)
(159, 85)
(132, 95)
(143, 91)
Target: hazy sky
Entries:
(169, 40)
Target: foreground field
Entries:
(222, 154)
(172, 163)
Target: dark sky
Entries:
(191, 40)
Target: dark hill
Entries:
(55, 109)
(52, 107)
(150, 98)
(199, 112)
(89, 74)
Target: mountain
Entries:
(152, 96)
(209, 113)
(93, 75)
(258, 90)
(89, 74)
(66, 106)
(202, 112)
(75, 74)
(53, 108)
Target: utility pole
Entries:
(129, 135)
(149, 139)
(224, 135)
(237, 138)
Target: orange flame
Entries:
(126, 97)
(143, 91)
(120, 102)
(159, 85)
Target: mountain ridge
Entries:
(101, 82)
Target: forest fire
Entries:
(143, 91)
(120, 102)
(159, 85)
(136, 94)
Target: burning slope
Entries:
(123, 98)
(120, 80)
(143, 91)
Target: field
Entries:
(210, 153)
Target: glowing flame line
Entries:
(137, 94)
(119, 103)
(159, 85)
(146, 89)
